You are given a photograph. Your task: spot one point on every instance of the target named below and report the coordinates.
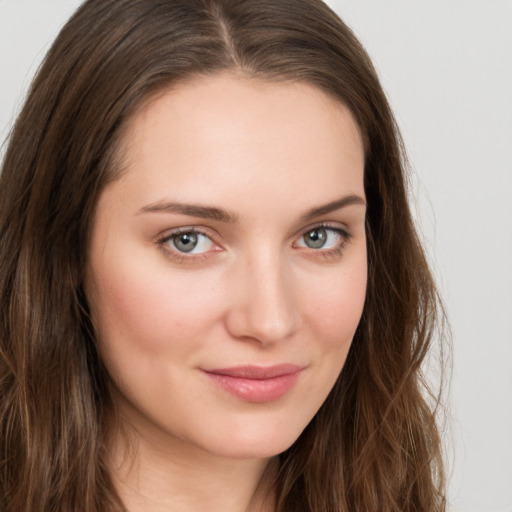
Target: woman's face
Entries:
(227, 268)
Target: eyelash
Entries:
(337, 251)
(181, 257)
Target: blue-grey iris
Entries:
(316, 238)
(185, 242)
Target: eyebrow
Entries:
(193, 210)
(338, 204)
(218, 214)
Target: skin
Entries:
(251, 293)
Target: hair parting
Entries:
(375, 443)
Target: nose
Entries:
(264, 300)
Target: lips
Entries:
(256, 384)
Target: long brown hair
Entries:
(374, 444)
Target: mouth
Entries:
(257, 384)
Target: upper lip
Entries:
(257, 372)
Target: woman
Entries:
(213, 297)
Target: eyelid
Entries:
(333, 252)
(333, 226)
(200, 230)
(183, 257)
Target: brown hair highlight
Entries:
(374, 444)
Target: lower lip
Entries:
(256, 390)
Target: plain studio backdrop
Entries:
(446, 66)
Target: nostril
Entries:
(263, 319)
(262, 298)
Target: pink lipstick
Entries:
(257, 383)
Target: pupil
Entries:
(185, 242)
(316, 238)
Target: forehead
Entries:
(223, 133)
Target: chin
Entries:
(256, 443)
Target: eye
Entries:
(323, 237)
(189, 242)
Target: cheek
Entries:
(335, 308)
(331, 314)
(143, 306)
(140, 301)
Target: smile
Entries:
(255, 383)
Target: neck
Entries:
(156, 477)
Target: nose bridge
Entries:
(265, 307)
